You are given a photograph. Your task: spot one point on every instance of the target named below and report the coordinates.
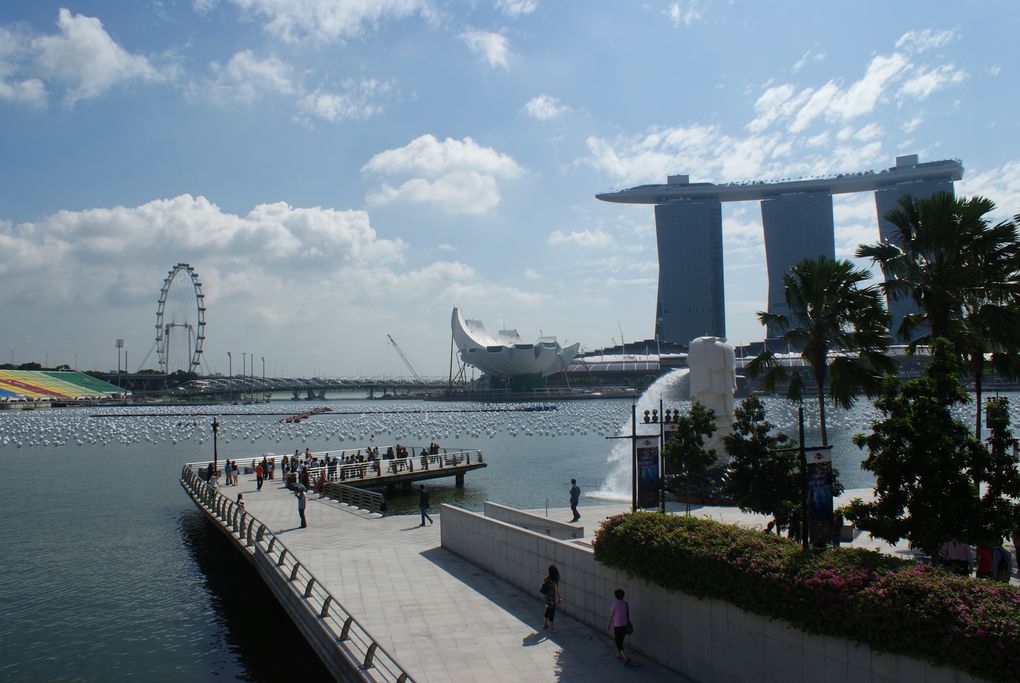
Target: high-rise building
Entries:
(797, 221)
(689, 237)
(888, 198)
(797, 226)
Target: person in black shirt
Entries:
(423, 505)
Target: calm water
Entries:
(108, 571)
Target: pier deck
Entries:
(441, 617)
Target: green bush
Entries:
(888, 603)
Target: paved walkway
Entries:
(442, 618)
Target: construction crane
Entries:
(407, 361)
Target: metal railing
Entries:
(373, 501)
(357, 647)
(380, 467)
(384, 467)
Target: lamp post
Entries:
(215, 450)
(230, 374)
(263, 374)
(244, 370)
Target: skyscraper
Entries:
(797, 221)
(689, 237)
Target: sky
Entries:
(340, 170)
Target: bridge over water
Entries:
(257, 387)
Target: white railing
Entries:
(362, 653)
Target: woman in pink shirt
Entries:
(619, 623)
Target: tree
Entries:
(831, 314)
(964, 276)
(927, 466)
(685, 453)
(763, 474)
(998, 469)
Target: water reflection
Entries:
(257, 640)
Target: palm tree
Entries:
(840, 328)
(964, 276)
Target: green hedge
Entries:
(888, 603)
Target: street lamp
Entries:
(230, 374)
(263, 373)
(215, 453)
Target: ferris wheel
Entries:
(180, 321)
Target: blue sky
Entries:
(337, 170)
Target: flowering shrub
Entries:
(888, 603)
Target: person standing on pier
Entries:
(575, 497)
(423, 505)
(301, 506)
(258, 477)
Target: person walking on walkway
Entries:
(575, 496)
(258, 477)
(619, 623)
(551, 592)
(301, 506)
(423, 505)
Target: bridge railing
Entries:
(363, 653)
(367, 469)
(384, 467)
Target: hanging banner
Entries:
(647, 456)
(669, 432)
(819, 488)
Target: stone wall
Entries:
(706, 640)
(542, 525)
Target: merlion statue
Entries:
(713, 381)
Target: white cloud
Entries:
(911, 125)
(459, 192)
(516, 8)
(544, 108)
(16, 88)
(588, 239)
(88, 60)
(1000, 184)
(531, 274)
(925, 39)
(356, 100)
(926, 81)
(685, 13)
(994, 70)
(246, 77)
(427, 155)
(329, 20)
(492, 46)
(805, 58)
(704, 149)
(892, 74)
(276, 236)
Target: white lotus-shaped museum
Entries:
(503, 354)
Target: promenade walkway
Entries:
(441, 617)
